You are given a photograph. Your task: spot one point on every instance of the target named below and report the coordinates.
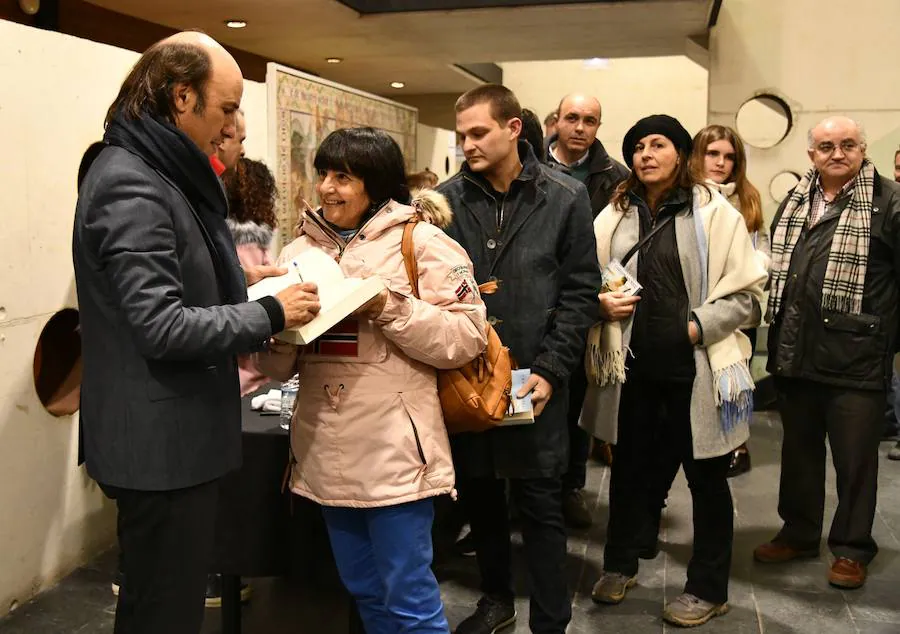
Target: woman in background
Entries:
(533, 132)
(251, 192)
(719, 155)
(426, 179)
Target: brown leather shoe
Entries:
(777, 553)
(601, 451)
(846, 573)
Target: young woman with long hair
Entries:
(719, 155)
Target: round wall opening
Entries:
(57, 364)
(782, 184)
(764, 121)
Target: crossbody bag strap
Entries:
(646, 239)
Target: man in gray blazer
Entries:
(164, 311)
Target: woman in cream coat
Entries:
(367, 436)
(668, 374)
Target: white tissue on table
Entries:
(268, 402)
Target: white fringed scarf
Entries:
(725, 271)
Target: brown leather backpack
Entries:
(475, 397)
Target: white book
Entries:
(522, 412)
(338, 295)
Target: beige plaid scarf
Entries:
(845, 274)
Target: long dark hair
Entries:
(748, 195)
(369, 154)
(149, 87)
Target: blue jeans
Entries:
(384, 557)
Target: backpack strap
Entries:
(408, 250)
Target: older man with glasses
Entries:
(834, 313)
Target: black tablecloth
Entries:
(254, 525)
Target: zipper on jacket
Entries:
(418, 442)
(341, 245)
(499, 211)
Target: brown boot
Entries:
(778, 553)
(846, 573)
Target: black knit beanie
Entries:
(662, 124)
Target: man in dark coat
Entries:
(164, 311)
(528, 228)
(575, 150)
(834, 306)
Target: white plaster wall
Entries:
(823, 58)
(628, 89)
(436, 150)
(253, 103)
(54, 93)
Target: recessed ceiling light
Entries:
(334, 60)
(596, 63)
(235, 24)
(397, 84)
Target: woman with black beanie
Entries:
(669, 381)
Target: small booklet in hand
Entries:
(522, 413)
(338, 295)
(616, 278)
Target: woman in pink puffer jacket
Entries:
(367, 437)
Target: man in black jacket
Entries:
(834, 311)
(164, 311)
(528, 228)
(576, 151)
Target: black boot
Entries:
(740, 461)
(492, 615)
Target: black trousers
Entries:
(166, 540)
(579, 440)
(853, 420)
(655, 436)
(539, 501)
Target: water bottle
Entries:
(288, 398)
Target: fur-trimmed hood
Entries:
(432, 207)
(250, 232)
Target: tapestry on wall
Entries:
(306, 110)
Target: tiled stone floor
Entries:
(793, 598)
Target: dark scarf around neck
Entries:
(172, 154)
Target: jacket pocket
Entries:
(169, 384)
(422, 423)
(851, 346)
(418, 440)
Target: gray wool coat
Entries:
(600, 413)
